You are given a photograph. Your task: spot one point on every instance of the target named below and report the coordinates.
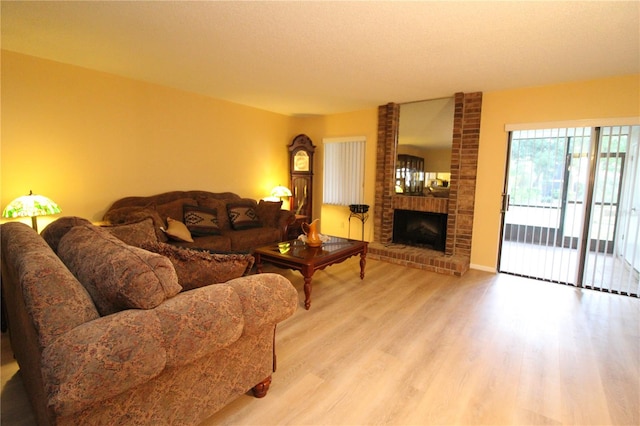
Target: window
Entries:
(344, 171)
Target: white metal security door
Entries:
(612, 257)
(571, 216)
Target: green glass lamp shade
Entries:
(281, 192)
(31, 206)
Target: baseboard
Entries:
(483, 268)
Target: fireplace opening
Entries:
(420, 229)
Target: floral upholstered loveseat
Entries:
(104, 333)
(218, 222)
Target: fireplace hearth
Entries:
(420, 229)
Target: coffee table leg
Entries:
(307, 273)
(258, 263)
(363, 263)
(307, 292)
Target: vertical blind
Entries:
(613, 262)
(344, 171)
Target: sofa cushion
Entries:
(268, 212)
(134, 214)
(116, 275)
(201, 220)
(199, 268)
(212, 243)
(243, 215)
(57, 229)
(174, 208)
(178, 231)
(135, 233)
(253, 237)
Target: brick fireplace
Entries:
(459, 206)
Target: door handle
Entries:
(505, 202)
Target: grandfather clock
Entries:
(301, 169)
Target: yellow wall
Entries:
(334, 220)
(85, 138)
(604, 98)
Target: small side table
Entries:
(359, 211)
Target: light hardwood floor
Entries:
(408, 347)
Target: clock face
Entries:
(301, 162)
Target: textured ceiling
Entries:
(299, 58)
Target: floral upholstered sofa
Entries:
(218, 222)
(104, 333)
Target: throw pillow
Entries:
(54, 231)
(135, 233)
(221, 207)
(269, 212)
(201, 220)
(242, 215)
(116, 275)
(134, 214)
(178, 231)
(200, 268)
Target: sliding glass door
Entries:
(612, 258)
(571, 207)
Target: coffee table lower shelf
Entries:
(298, 256)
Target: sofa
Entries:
(104, 333)
(218, 222)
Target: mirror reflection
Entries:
(299, 189)
(424, 147)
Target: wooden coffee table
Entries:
(296, 255)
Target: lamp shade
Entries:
(31, 205)
(281, 192)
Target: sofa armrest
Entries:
(200, 321)
(102, 358)
(107, 356)
(266, 299)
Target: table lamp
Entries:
(281, 192)
(31, 206)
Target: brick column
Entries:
(388, 120)
(464, 162)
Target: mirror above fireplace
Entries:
(425, 133)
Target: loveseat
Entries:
(104, 333)
(219, 222)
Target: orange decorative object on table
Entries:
(313, 237)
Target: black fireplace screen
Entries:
(420, 229)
